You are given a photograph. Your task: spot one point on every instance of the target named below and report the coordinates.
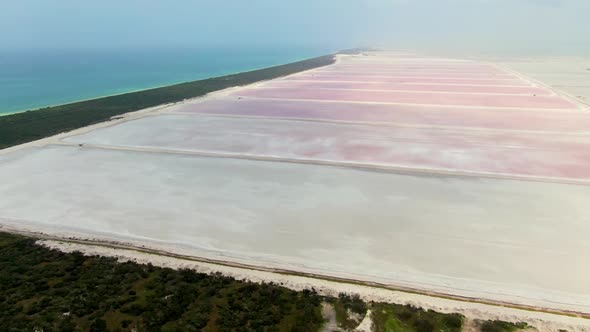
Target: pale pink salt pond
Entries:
(408, 80)
(412, 97)
(477, 117)
(514, 154)
(316, 84)
(410, 73)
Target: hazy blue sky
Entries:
(557, 26)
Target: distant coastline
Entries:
(23, 127)
(32, 80)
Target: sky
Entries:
(493, 26)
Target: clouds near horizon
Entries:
(470, 25)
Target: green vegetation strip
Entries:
(42, 289)
(48, 290)
(142, 249)
(33, 125)
(406, 318)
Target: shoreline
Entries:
(33, 125)
(124, 93)
(82, 100)
(158, 86)
(156, 110)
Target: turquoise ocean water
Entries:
(35, 79)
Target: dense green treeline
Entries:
(54, 291)
(33, 125)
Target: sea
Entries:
(34, 79)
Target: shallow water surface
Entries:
(34, 79)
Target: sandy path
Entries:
(329, 315)
(366, 324)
